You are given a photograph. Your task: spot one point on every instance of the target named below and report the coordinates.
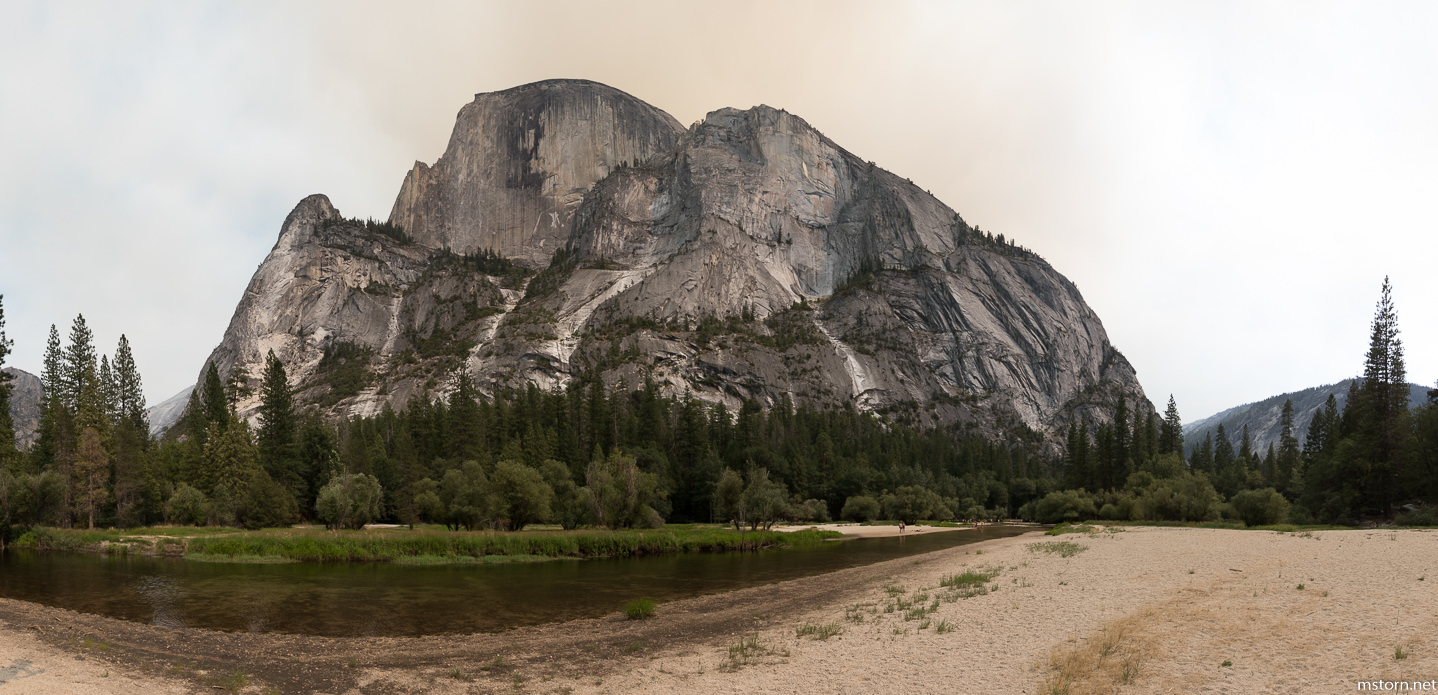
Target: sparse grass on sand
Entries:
(1100, 663)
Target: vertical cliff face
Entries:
(520, 161)
(747, 257)
(757, 211)
(360, 319)
(25, 395)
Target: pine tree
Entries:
(1288, 457)
(52, 379)
(92, 472)
(1201, 459)
(109, 398)
(1245, 447)
(90, 410)
(7, 426)
(1223, 455)
(1122, 444)
(1170, 438)
(466, 421)
(138, 490)
(276, 440)
(213, 399)
(79, 357)
(129, 392)
(42, 454)
(1076, 469)
(1381, 406)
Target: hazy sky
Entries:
(1227, 183)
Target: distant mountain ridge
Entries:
(167, 412)
(1264, 417)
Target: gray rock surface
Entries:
(520, 161)
(748, 257)
(163, 415)
(25, 395)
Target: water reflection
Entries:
(362, 600)
(163, 593)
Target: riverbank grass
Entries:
(417, 547)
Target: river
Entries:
(408, 600)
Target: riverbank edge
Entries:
(417, 547)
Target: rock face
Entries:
(520, 161)
(748, 257)
(25, 394)
(163, 415)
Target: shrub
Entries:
(860, 508)
(1423, 516)
(1065, 505)
(621, 495)
(1187, 497)
(911, 503)
(350, 500)
(523, 496)
(186, 506)
(810, 510)
(267, 505)
(1260, 507)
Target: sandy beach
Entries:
(1139, 610)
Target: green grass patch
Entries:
(422, 546)
(1070, 528)
(639, 609)
(465, 547)
(968, 579)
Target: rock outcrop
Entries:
(747, 257)
(25, 395)
(520, 161)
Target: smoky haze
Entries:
(1227, 183)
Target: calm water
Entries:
(354, 600)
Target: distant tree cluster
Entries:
(386, 228)
(1361, 461)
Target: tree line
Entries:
(585, 455)
(617, 456)
(1374, 458)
